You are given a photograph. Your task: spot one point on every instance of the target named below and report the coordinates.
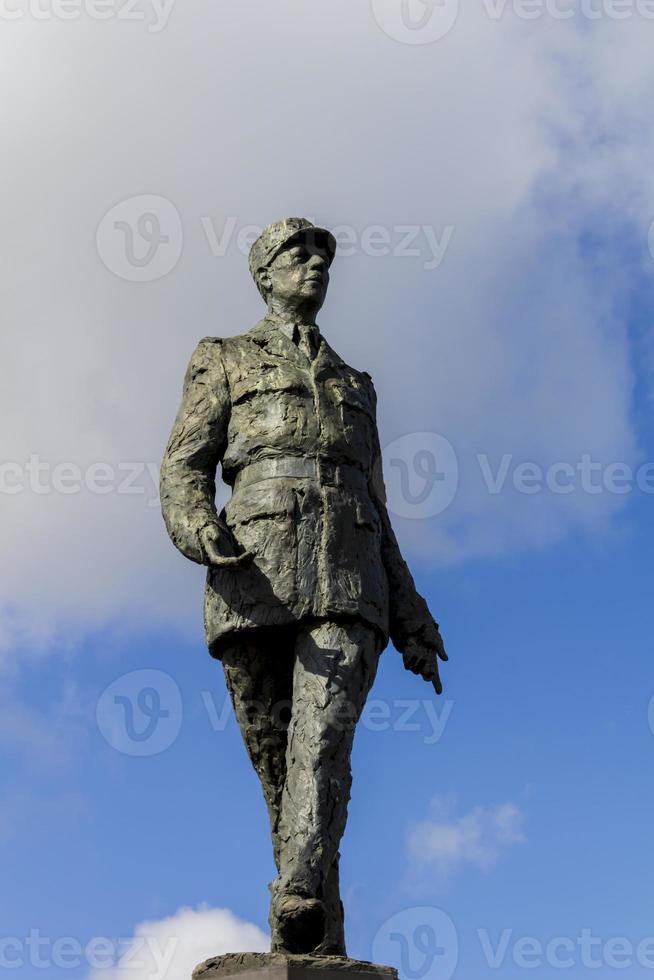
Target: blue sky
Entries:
(549, 692)
(494, 193)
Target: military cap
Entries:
(273, 238)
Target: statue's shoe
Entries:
(298, 924)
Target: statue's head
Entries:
(290, 263)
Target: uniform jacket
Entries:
(297, 440)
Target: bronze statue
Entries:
(305, 580)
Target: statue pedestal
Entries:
(282, 966)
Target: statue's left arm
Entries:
(413, 630)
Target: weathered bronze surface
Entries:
(305, 582)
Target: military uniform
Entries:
(294, 428)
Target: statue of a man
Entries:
(305, 580)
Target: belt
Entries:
(299, 468)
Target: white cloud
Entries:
(169, 949)
(446, 844)
(520, 135)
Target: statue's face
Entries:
(299, 275)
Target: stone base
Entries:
(283, 966)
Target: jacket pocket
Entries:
(350, 398)
(266, 385)
(356, 422)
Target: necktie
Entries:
(306, 340)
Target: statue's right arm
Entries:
(196, 446)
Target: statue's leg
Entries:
(334, 940)
(335, 666)
(259, 674)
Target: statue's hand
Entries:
(218, 548)
(421, 655)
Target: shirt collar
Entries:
(289, 327)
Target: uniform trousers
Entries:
(297, 694)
